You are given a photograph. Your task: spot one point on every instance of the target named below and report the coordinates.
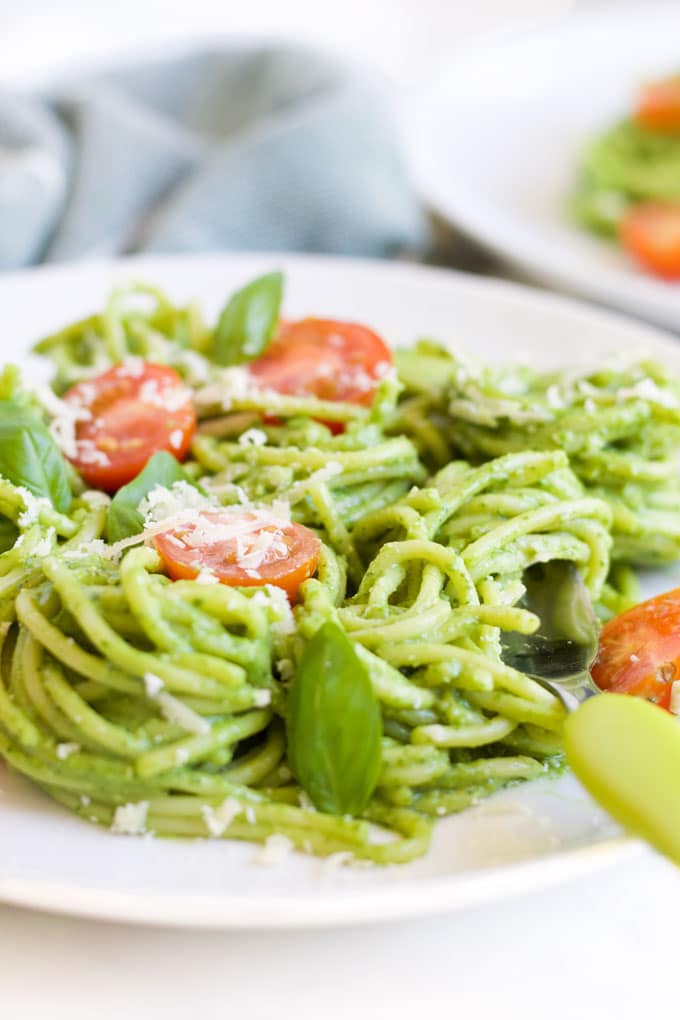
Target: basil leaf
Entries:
(9, 533)
(248, 321)
(333, 725)
(31, 458)
(124, 518)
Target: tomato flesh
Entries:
(639, 651)
(650, 231)
(324, 358)
(242, 548)
(659, 107)
(130, 412)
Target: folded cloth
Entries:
(250, 149)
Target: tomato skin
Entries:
(658, 108)
(293, 560)
(134, 410)
(323, 358)
(639, 650)
(650, 232)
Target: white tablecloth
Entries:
(604, 948)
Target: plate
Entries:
(496, 142)
(521, 839)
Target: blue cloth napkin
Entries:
(250, 149)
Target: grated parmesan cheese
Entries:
(232, 384)
(252, 437)
(153, 684)
(44, 546)
(32, 507)
(647, 389)
(161, 503)
(275, 850)
(196, 367)
(130, 819)
(218, 819)
(64, 751)
(65, 415)
(176, 712)
(133, 367)
(88, 452)
(332, 864)
(206, 576)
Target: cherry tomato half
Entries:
(242, 548)
(658, 108)
(324, 358)
(640, 650)
(650, 231)
(134, 410)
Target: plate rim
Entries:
(419, 897)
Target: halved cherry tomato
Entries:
(324, 358)
(132, 411)
(640, 650)
(658, 108)
(650, 231)
(242, 548)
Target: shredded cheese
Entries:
(130, 819)
(179, 714)
(218, 819)
(65, 750)
(252, 437)
(275, 850)
(153, 684)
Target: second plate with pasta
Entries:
(526, 836)
(498, 142)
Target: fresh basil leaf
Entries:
(333, 725)
(9, 533)
(124, 518)
(248, 321)
(31, 458)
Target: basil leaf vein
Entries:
(248, 321)
(334, 725)
(124, 518)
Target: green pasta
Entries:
(150, 705)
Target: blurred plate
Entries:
(496, 142)
(522, 839)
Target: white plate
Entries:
(496, 142)
(522, 839)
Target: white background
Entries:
(603, 947)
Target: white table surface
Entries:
(606, 946)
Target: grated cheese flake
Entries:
(176, 712)
(275, 850)
(65, 750)
(252, 437)
(65, 415)
(44, 546)
(130, 819)
(153, 685)
(218, 819)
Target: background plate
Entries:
(496, 142)
(518, 840)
